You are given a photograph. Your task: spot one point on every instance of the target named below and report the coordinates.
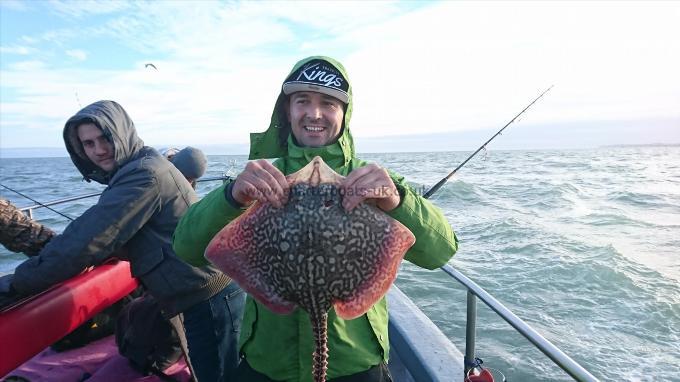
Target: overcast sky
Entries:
(441, 72)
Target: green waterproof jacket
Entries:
(281, 346)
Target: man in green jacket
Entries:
(311, 117)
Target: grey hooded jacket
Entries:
(145, 197)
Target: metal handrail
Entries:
(474, 291)
(58, 201)
(30, 209)
(558, 357)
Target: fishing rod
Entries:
(446, 178)
(40, 204)
(85, 196)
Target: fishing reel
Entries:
(478, 373)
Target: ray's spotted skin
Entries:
(312, 253)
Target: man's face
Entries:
(97, 148)
(315, 118)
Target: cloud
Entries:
(60, 36)
(31, 66)
(442, 67)
(79, 55)
(29, 40)
(82, 8)
(454, 67)
(14, 5)
(20, 50)
(216, 82)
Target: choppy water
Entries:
(583, 245)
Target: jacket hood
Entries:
(116, 125)
(275, 142)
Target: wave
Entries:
(641, 200)
(599, 219)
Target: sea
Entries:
(583, 245)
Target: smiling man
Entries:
(311, 118)
(315, 118)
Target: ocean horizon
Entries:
(242, 149)
(524, 136)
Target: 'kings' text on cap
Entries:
(311, 73)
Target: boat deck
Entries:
(419, 351)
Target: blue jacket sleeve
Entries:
(122, 210)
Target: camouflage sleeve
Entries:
(19, 233)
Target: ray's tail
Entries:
(320, 357)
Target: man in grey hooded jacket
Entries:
(139, 209)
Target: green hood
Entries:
(274, 142)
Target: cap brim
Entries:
(299, 86)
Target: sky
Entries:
(425, 75)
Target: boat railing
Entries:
(28, 210)
(474, 291)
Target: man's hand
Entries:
(370, 182)
(260, 180)
(6, 284)
(8, 295)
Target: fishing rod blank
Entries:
(84, 196)
(446, 178)
(35, 201)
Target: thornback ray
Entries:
(313, 254)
